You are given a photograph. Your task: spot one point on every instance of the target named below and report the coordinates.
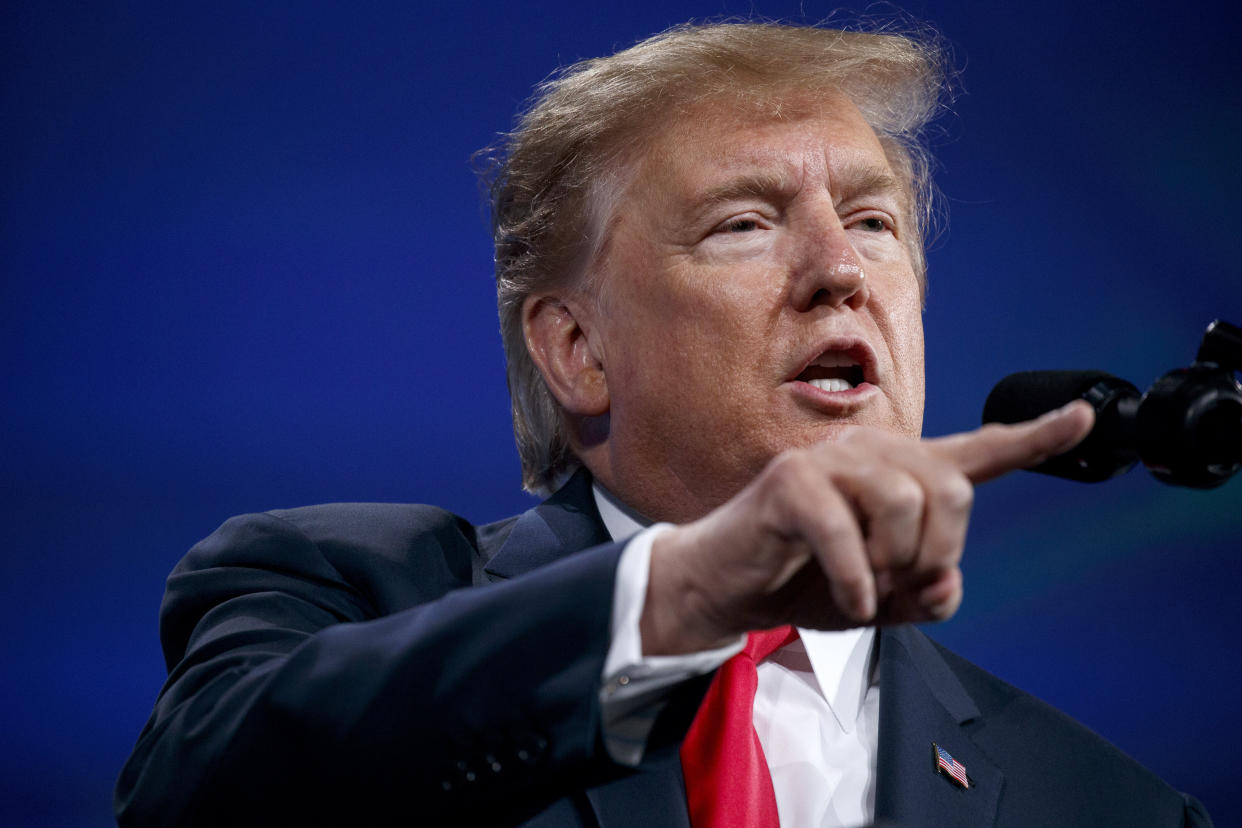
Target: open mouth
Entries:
(833, 372)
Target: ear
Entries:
(558, 336)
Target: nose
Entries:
(829, 270)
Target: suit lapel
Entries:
(563, 524)
(921, 702)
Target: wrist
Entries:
(677, 616)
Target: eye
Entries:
(739, 225)
(873, 224)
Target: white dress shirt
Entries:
(817, 707)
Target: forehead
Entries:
(779, 137)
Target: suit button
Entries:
(530, 749)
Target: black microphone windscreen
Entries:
(1028, 394)
(1107, 451)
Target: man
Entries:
(710, 282)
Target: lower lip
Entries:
(835, 401)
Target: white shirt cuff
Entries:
(634, 688)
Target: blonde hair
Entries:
(554, 178)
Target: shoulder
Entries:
(336, 562)
(1011, 710)
(1041, 748)
(388, 529)
(385, 530)
(1015, 717)
(388, 555)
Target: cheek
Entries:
(904, 320)
(903, 330)
(692, 319)
(908, 332)
(912, 367)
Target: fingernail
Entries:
(934, 593)
(865, 606)
(1056, 412)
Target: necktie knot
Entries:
(761, 644)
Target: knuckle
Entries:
(787, 467)
(957, 494)
(904, 496)
(773, 480)
(993, 431)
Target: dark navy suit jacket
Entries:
(364, 664)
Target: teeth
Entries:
(833, 384)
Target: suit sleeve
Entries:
(294, 697)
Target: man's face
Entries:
(756, 294)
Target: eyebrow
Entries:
(749, 185)
(863, 179)
(852, 181)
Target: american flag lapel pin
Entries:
(950, 767)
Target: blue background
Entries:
(245, 266)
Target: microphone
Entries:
(1187, 428)
(1109, 450)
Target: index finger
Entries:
(994, 450)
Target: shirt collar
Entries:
(842, 664)
(620, 520)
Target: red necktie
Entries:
(727, 780)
